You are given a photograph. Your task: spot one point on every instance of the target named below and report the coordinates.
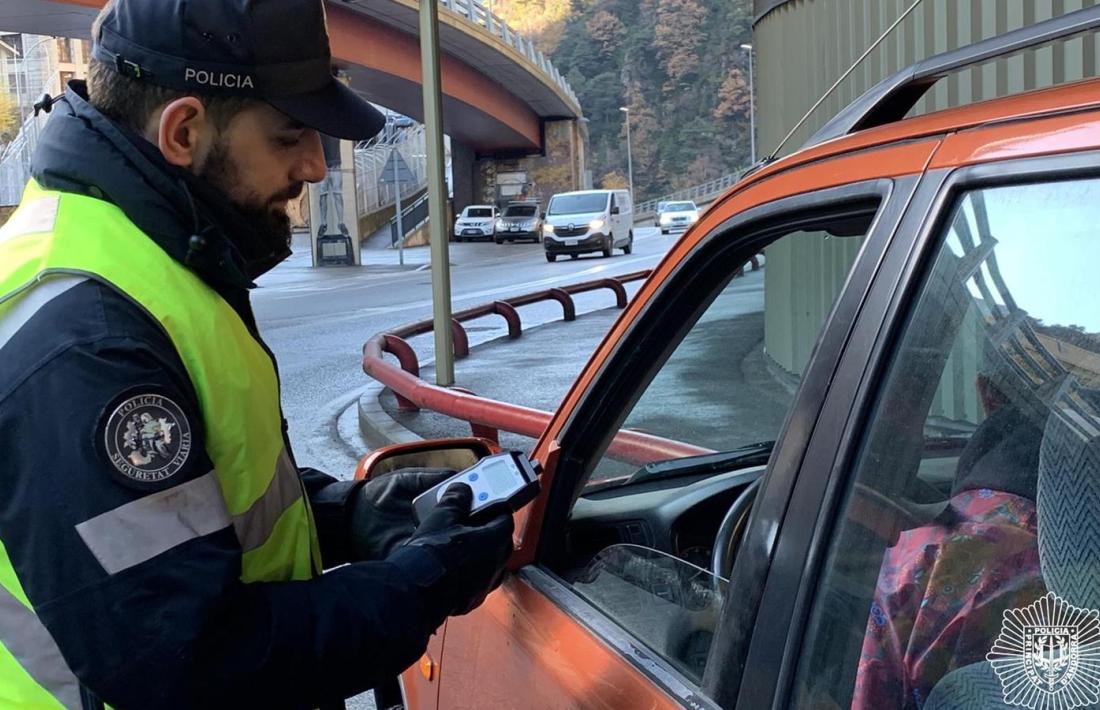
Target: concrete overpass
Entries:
(506, 108)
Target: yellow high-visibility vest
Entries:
(54, 236)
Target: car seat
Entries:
(1068, 499)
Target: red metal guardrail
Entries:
(487, 416)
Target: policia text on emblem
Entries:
(147, 438)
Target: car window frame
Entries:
(757, 226)
(817, 498)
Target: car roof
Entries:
(1077, 96)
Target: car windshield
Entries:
(479, 212)
(520, 211)
(577, 204)
(680, 207)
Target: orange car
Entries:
(886, 440)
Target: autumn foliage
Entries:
(676, 64)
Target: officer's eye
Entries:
(288, 140)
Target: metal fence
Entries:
(699, 193)
(24, 80)
(371, 158)
(476, 12)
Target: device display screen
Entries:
(500, 475)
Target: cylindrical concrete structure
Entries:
(804, 46)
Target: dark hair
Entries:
(131, 102)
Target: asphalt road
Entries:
(317, 319)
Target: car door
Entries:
(613, 604)
(614, 221)
(625, 219)
(948, 536)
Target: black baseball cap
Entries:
(276, 51)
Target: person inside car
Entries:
(943, 587)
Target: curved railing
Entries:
(487, 417)
(476, 12)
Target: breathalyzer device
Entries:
(508, 477)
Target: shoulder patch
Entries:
(146, 438)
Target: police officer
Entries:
(158, 545)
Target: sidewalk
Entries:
(534, 371)
(538, 369)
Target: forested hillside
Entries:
(678, 66)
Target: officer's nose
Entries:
(311, 165)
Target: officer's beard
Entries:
(268, 224)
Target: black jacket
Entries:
(180, 629)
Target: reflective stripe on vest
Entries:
(51, 242)
(32, 672)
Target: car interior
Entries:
(651, 541)
(981, 429)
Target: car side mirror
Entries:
(542, 215)
(615, 209)
(457, 454)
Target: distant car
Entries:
(587, 221)
(475, 222)
(676, 216)
(518, 220)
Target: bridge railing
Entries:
(702, 193)
(478, 13)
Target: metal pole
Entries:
(752, 109)
(629, 157)
(437, 222)
(397, 202)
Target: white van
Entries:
(587, 221)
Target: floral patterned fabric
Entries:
(941, 594)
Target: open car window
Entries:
(728, 384)
(708, 399)
(971, 520)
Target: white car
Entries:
(676, 216)
(475, 222)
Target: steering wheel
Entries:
(731, 530)
(871, 508)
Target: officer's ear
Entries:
(182, 132)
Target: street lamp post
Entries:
(629, 158)
(437, 193)
(391, 135)
(752, 109)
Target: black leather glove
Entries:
(455, 561)
(382, 513)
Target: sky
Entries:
(1048, 248)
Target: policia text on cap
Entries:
(160, 548)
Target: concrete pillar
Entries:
(560, 168)
(463, 171)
